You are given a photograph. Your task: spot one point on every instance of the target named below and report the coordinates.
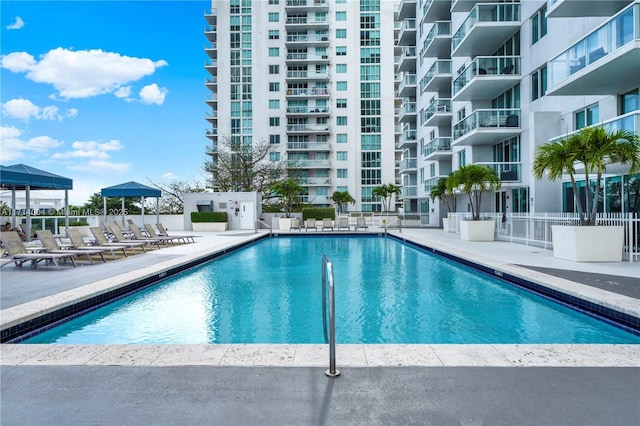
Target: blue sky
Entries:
(104, 92)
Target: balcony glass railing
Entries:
(307, 110)
(440, 28)
(325, 164)
(308, 146)
(431, 183)
(409, 191)
(408, 108)
(306, 74)
(486, 12)
(438, 105)
(304, 3)
(408, 163)
(409, 135)
(487, 119)
(442, 144)
(507, 171)
(487, 66)
(308, 128)
(439, 67)
(307, 91)
(291, 38)
(620, 30)
(629, 121)
(408, 80)
(408, 24)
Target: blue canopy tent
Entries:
(25, 178)
(131, 189)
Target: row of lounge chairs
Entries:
(327, 224)
(51, 251)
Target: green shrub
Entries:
(197, 217)
(79, 223)
(318, 213)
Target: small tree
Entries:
(473, 180)
(444, 191)
(172, 200)
(341, 198)
(289, 191)
(386, 191)
(593, 147)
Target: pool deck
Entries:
(379, 384)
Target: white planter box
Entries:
(209, 226)
(445, 224)
(588, 243)
(284, 224)
(477, 230)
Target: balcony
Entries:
(407, 61)
(307, 110)
(407, 138)
(315, 181)
(407, 112)
(508, 172)
(211, 83)
(629, 121)
(307, 75)
(407, 34)
(572, 8)
(431, 183)
(485, 29)
(407, 88)
(408, 165)
(212, 118)
(606, 61)
(463, 5)
(438, 78)
(438, 113)
(308, 128)
(408, 191)
(211, 134)
(306, 5)
(211, 50)
(437, 44)
(315, 199)
(308, 146)
(311, 22)
(298, 40)
(309, 164)
(437, 149)
(407, 9)
(486, 77)
(294, 58)
(212, 102)
(313, 92)
(211, 150)
(435, 10)
(211, 66)
(487, 127)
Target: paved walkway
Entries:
(254, 384)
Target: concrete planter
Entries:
(477, 230)
(445, 224)
(284, 223)
(588, 243)
(209, 226)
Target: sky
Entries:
(104, 92)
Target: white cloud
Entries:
(13, 147)
(169, 176)
(17, 24)
(123, 92)
(24, 109)
(101, 166)
(89, 150)
(83, 73)
(152, 94)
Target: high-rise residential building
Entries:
(497, 79)
(309, 76)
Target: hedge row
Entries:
(197, 217)
(318, 213)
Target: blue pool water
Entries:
(386, 292)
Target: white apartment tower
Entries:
(497, 79)
(316, 78)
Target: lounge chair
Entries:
(18, 254)
(310, 224)
(78, 243)
(295, 224)
(138, 236)
(343, 222)
(51, 246)
(361, 222)
(326, 224)
(120, 238)
(152, 233)
(163, 233)
(102, 240)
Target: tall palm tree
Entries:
(341, 198)
(473, 180)
(444, 190)
(386, 191)
(290, 192)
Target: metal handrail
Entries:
(327, 275)
(255, 228)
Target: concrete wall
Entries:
(229, 202)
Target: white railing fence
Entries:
(535, 229)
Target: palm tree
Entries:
(341, 198)
(290, 192)
(473, 180)
(593, 147)
(386, 191)
(444, 191)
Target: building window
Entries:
(274, 34)
(274, 69)
(274, 16)
(539, 25)
(274, 1)
(341, 33)
(342, 189)
(274, 156)
(462, 158)
(341, 16)
(341, 120)
(342, 173)
(341, 86)
(341, 103)
(274, 139)
(341, 68)
(629, 101)
(341, 155)
(274, 103)
(274, 121)
(586, 116)
(274, 87)
(539, 83)
(341, 138)
(341, 50)
(274, 52)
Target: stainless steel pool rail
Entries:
(328, 292)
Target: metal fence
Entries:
(535, 229)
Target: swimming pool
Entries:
(387, 291)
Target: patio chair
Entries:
(102, 240)
(162, 231)
(361, 222)
(120, 238)
(326, 224)
(138, 236)
(78, 243)
(18, 254)
(295, 224)
(343, 222)
(310, 224)
(51, 246)
(152, 233)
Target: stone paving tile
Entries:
(62, 354)
(388, 355)
(470, 355)
(128, 355)
(259, 355)
(192, 355)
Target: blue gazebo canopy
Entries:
(131, 189)
(21, 176)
